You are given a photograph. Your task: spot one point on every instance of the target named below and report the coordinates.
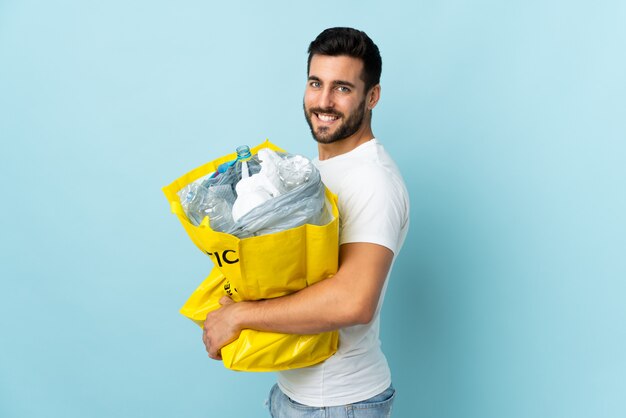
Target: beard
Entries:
(348, 127)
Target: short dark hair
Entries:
(353, 43)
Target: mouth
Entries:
(326, 118)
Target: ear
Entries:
(373, 96)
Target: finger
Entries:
(215, 354)
(206, 343)
(225, 300)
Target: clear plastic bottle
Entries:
(215, 195)
(246, 164)
(204, 203)
(294, 170)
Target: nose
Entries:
(326, 99)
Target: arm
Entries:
(350, 297)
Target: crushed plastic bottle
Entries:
(254, 195)
(294, 170)
(204, 202)
(215, 195)
(279, 174)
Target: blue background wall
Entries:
(506, 118)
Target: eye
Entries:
(315, 84)
(343, 89)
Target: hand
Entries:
(220, 328)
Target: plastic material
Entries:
(215, 195)
(284, 191)
(247, 164)
(200, 202)
(256, 351)
(259, 188)
(294, 171)
(262, 267)
(297, 205)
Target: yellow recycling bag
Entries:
(261, 267)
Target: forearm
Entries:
(348, 298)
(324, 306)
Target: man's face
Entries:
(334, 99)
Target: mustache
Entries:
(325, 111)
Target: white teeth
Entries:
(326, 118)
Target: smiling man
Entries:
(342, 89)
(325, 108)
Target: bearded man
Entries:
(343, 87)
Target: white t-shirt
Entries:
(373, 207)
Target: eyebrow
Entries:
(335, 82)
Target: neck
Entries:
(345, 145)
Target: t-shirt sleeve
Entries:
(372, 208)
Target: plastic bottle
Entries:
(257, 189)
(294, 170)
(215, 195)
(246, 164)
(204, 203)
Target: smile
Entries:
(326, 118)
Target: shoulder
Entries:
(377, 177)
(373, 203)
(373, 190)
(365, 179)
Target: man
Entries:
(343, 87)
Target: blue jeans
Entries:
(379, 406)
